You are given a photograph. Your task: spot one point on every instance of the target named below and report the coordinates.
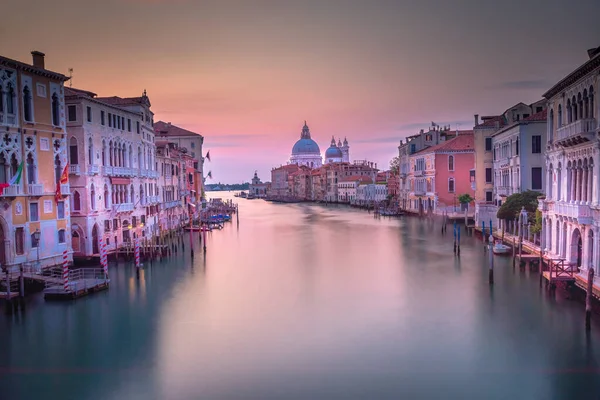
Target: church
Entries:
(307, 152)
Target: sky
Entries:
(246, 73)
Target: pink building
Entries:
(440, 174)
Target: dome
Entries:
(306, 146)
(333, 152)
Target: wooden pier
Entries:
(82, 282)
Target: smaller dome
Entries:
(333, 152)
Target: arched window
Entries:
(55, 110)
(106, 197)
(591, 94)
(559, 122)
(73, 156)
(451, 185)
(551, 125)
(57, 168)
(450, 163)
(132, 195)
(76, 201)
(27, 111)
(14, 165)
(10, 99)
(61, 236)
(31, 175)
(574, 105)
(569, 112)
(586, 104)
(3, 169)
(110, 153)
(103, 153)
(580, 105)
(90, 151)
(92, 197)
(130, 157)
(139, 158)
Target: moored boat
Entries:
(500, 248)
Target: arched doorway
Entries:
(95, 244)
(590, 249)
(2, 247)
(576, 246)
(75, 244)
(126, 232)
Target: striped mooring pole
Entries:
(103, 258)
(65, 271)
(137, 253)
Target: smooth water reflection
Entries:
(305, 302)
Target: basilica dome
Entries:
(305, 145)
(333, 152)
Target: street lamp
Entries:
(36, 236)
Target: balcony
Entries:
(123, 207)
(152, 199)
(74, 169)
(65, 189)
(107, 170)
(418, 173)
(504, 190)
(153, 174)
(545, 206)
(12, 191)
(580, 212)
(8, 119)
(184, 192)
(580, 131)
(171, 204)
(35, 189)
(93, 169)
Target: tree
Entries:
(465, 198)
(513, 204)
(395, 165)
(537, 227)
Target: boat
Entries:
(500, 248)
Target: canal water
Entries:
(304, 301)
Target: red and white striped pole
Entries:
(137, 253)
(65, 271)
(103, 257)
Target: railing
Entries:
(107, 170)
(418, 173)
(171, 204)
(581, 126)
(559, 270)
(65, 188)
(9, 286)
(35, 189)
(11, 191)
(152, 174)
(504, 190)
(152, 199)
(581, 212)
(93, 169)
(123, 207)
(78, 278)
(7, 119)
(74, 169)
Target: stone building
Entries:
(112, 170)
(571, 208)
(33, 157)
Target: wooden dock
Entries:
(77, 289)
(581, 282)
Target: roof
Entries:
(462, 142)
(490, 122)
(9, 62)
(122, 101)
(71, 91)
(167, 129)
(541, 116)
(581, 71)
(357, 178)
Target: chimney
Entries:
(38, 59)
(476, 119)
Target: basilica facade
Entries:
(306, 151)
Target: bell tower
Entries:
(345, 151)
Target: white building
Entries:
(519, 159)
(306, 151)
(571, 209)
(112, 175)
(348, 186)
(367, 193)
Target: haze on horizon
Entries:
(246, 74)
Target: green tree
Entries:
(395, 165)
(465, 198)
(537, 226)
(513, 204)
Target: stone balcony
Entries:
(35, 189)
(504, 190)
(418, 173)
(12, 191)
(74, 169)
(93, 169)
(581, 212)
(107, 170)
(7, 119)
(123, 207)
(577, 132)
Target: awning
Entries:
(120, 181)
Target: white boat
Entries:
(501, 248)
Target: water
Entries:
(308, 302)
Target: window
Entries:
(128, 124)
(31, 169)
(55, 110)
(134, 221)
(60, 210)
(20, 241)
(193, 145)
(89, 114)
(123, 123)
(472, 175)
(538, 109)
(73, 156)
(109, 120)
(451, 185)
(114, 120)
(33, 212)
(102, 117)
(488, 144)
(137, 126)
(450, 163)
(27, 106)
(76, 201)
(517, 147)
(536, 144)
(107, 225)
(488, 175)
(34, 243)
(525, 116)
(72, 113)
(488, 196)
(61, 236)
(536, 178)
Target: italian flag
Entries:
(15, 179)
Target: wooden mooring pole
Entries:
(458, 239)
(491, 251)
(588, 300)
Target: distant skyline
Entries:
(246, 74)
